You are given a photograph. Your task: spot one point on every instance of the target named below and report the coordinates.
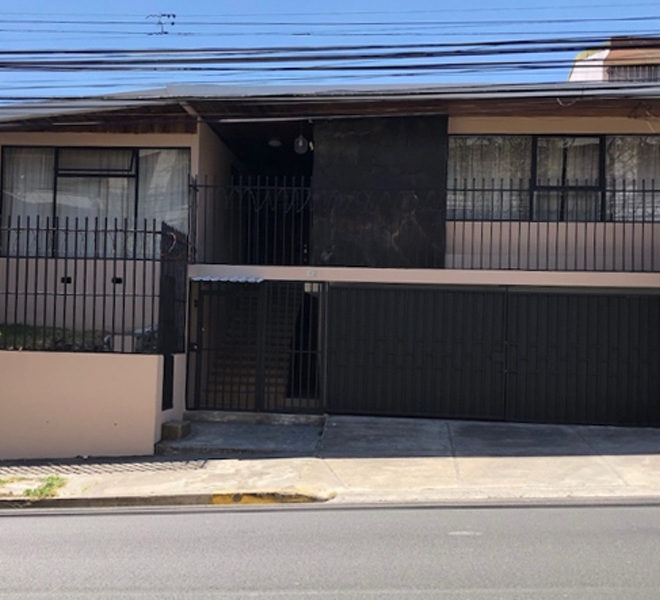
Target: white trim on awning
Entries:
(215, 279)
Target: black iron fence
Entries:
(498, 224)
(92, 285)
(258, 220)
(478, 225)
(619, 200)
(287, 221)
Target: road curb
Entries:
(222, 498)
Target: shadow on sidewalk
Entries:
(376, 437)
(380, 437)
(359, 437)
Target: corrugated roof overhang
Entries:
(235, 103)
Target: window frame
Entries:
(564, 189)
(522, 189)
(603, 188)
(83, 173)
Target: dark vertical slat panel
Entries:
(46, 302)
(62, 282)
(446, 385)
(35, 283)
(616, 357)
(74, 298)
(635, 359)
(113, 299)
(514, 351)
(6, 230)
(644, 321)
(16, 285)
(86, 293)
(589, 378)
(583, 305)
(609, 362)
(95, 276)
(597, 396)
(591, 353)
(539, 332)
(451, 357)
(57, 254)
(26, 275)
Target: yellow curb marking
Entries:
(265, 498)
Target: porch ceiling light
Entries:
(300, 145)
(275, 142)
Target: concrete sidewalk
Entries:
(359, 459)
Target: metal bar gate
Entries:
(257, 347)
(501, 354)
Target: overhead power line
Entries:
(105, 68)
(533, 54)
(337, 23)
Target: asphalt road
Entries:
(530, 553)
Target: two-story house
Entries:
(482, 252)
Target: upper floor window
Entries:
(83, 188)
(488, 177)
(554, 178)
(114, 183)
(566, 179)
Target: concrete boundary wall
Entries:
(58, 405)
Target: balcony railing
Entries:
(514, 225)
(488, 225)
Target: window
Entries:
(126, 184)
(633, 178)
(554, 178)
(567, 179)
(488, 177)
(93, 183)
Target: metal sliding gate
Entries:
(493, 353)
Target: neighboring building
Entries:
(626, 59)
(481, 252)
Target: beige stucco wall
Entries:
(559, 124)
(215, 159)
(56, 405)
(539, 245)
(214, 219)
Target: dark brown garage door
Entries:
(540, 356)
(403, 350)
(583, 358)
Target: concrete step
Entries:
(248, 434)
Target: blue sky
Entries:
(125, 24)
